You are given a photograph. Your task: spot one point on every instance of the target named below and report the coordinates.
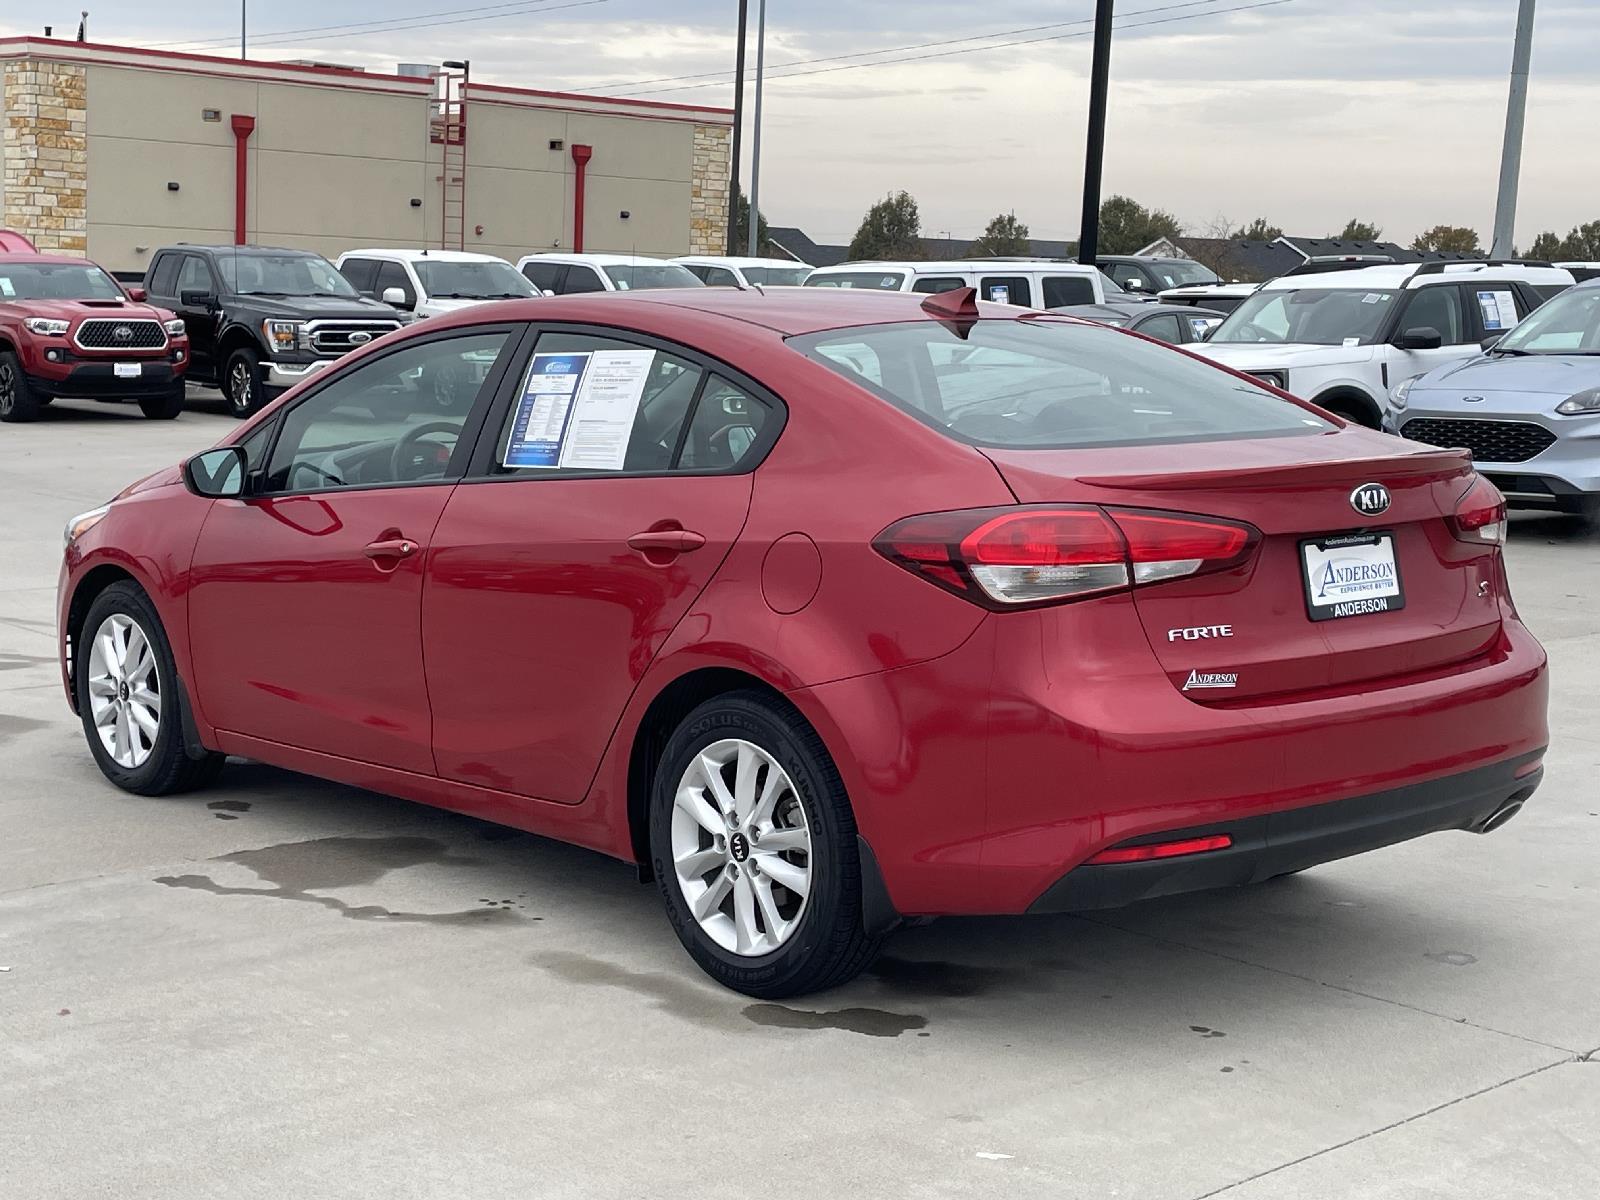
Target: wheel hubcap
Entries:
(741, 847)
(7, 388)
(124, 690)
(241, 386)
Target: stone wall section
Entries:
(45, 151)
(708, 199)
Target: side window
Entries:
(698, 270)
(1164, 327)
(164, 276)
(934, 284)
(195, 276)
(391, 420)
(1126, 273)
(1005, 289)
(360, 272)
(856, 357)
(582, 279)
(589, 404)
(1062, 290)
(719, 277)
(727, 424)
(545, 276)
(1439, 307)
(255, 447)
(393, 275)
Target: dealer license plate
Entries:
(1351, 575)
(127, 370)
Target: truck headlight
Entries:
(1401, 394)
(1582, 404)
(174, 327)
(46, 326)
(282, 336)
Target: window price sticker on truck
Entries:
(1351, 575)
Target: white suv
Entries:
(565, 274)
(1030, 282)
(722, 271)
(428, 283)
(1345, 339)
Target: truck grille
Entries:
(1489, 441)
(102, 333)
(340, 337)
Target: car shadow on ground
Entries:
(1552, 528)
(1159, 957)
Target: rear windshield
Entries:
(881, 281)
(1043, 384)
(776, 276)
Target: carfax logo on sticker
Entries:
(1211, 679)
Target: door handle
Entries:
(666, 541)
(391, 548)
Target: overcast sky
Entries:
(1307, 112)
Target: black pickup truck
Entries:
(261, 319)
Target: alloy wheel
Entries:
(741, 847)
(124, 690)
(239, 390)
(8, 388)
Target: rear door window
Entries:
(1006, 289)
(582, 279)
(360, 272)
(1062, 290)
(1049, 385)
(1166, 328)
(934, 284)
(546, 276)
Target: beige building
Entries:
(113, 152)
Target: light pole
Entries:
(244, 8)
(1505, 208)
(1094, 156)
(738, 129)
(755, 128)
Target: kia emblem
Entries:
(122, 333)
(360, 337)
(1472, 399)
(1370, 499)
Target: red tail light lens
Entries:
(1157, 850)
(1480, 514)
(1028, 555)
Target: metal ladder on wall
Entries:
(449, 132)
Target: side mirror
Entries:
(1135, 284)
(218, 474)
(396, 298)
(197, 298)
(1421, 337)
(138, 295)
(1490, 342)
(546, 292)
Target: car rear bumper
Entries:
(1281, 842)
(99, 381)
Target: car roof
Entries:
(997, 265)
(724, 260)
(423, 255)
(27, 258)
(599, 260)
(1133, 313)
(1409, 275)
(246, 250)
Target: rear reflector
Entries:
(1131, 854)
(1528, 768)
(1044, 554)
(1480, 514)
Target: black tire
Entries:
(17, 399)
(164, 408)
(830, 946)
(242, 384)
(169, 767)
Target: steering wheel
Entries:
(1255, 332)
(407, 455)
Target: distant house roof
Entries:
(796, 244)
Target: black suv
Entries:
(261, 319)
(1147, 276)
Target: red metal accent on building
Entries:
(450, 133)
(243, 127)
(580, 158)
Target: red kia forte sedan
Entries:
(828, 610)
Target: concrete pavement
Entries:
(282, 987)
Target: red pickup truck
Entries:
(68, 329)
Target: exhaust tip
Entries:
(1501, 815)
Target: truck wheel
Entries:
(241, 382)
(164, 408)
(17, 401)
(755, 850)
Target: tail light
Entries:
(1037, 554)
(1480, 514)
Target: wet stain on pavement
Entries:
(870, 1022)
(1453, 958)
(1209, 1033)
(12, 725)
(237, 806)
(300, 868)
(670, 993)
(10, 661)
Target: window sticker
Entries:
(1371, 298)
(605, 409)
(6, 287)
(1000, 294)
(1352, 341)
(544, 410)
(1499, 310)
(1200, 326)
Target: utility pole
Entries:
(755, 130)
(1094, 158)
(1505, 208)
(244, 9)
(738, 128)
